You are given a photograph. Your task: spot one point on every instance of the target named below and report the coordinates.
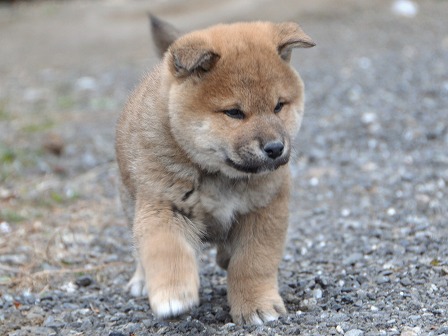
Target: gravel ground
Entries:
(367, 252)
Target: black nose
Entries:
(274, 149)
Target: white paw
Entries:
(137, 285)
(136, 288)
(165, 305)
(260, 318)
(255, 319)
(268, 318)
(246, 314)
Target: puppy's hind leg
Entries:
(137, 286)
(223, 256)
(127, 203)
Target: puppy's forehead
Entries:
(249, 66)
(246, 49)
(239, 37)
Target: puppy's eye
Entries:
(278, 107)
(235, 113)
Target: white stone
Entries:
(5, 227)
(86, 83)
(405, 8)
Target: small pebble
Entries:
(347, 299)
(391, 212)
(354, 332)
(221, 316)
(382, 280)
(415, 317)
(408, 331)
(84, 281)
(364, 63)
(86, 83)
(35, 313)
(369, 118)
(339, 317)
(54, 144)
(405, 8)
(5, 227)
(345, 212)
(40, 331)
(86, 325)
(353, 258)
(229, 325)
(406, 282)
(322, 281)
(314, 181)
(51, 322)
(317, 294)
(69, 287)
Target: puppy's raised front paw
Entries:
(170, 302)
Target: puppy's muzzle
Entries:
(269, 156)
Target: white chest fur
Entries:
(222, 204)
(223, 199)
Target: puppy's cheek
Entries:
(294, 123)
(209, 152)
(196, 139)
(216, 145)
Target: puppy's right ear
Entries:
(191, 55)
(163, 34)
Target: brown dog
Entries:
(202, 146)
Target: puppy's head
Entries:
(235, 103)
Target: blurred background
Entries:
(372, 152)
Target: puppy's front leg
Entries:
(256, 245)
(167, 254)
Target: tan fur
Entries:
(192, 173)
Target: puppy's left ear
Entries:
(289, 36)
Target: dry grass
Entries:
(49, 238)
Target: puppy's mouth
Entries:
(252, 167)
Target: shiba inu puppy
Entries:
(202, 147)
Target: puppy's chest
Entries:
(223, 204)
(213, 200)
(214, 203)
(218, 207)
(219, 202)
